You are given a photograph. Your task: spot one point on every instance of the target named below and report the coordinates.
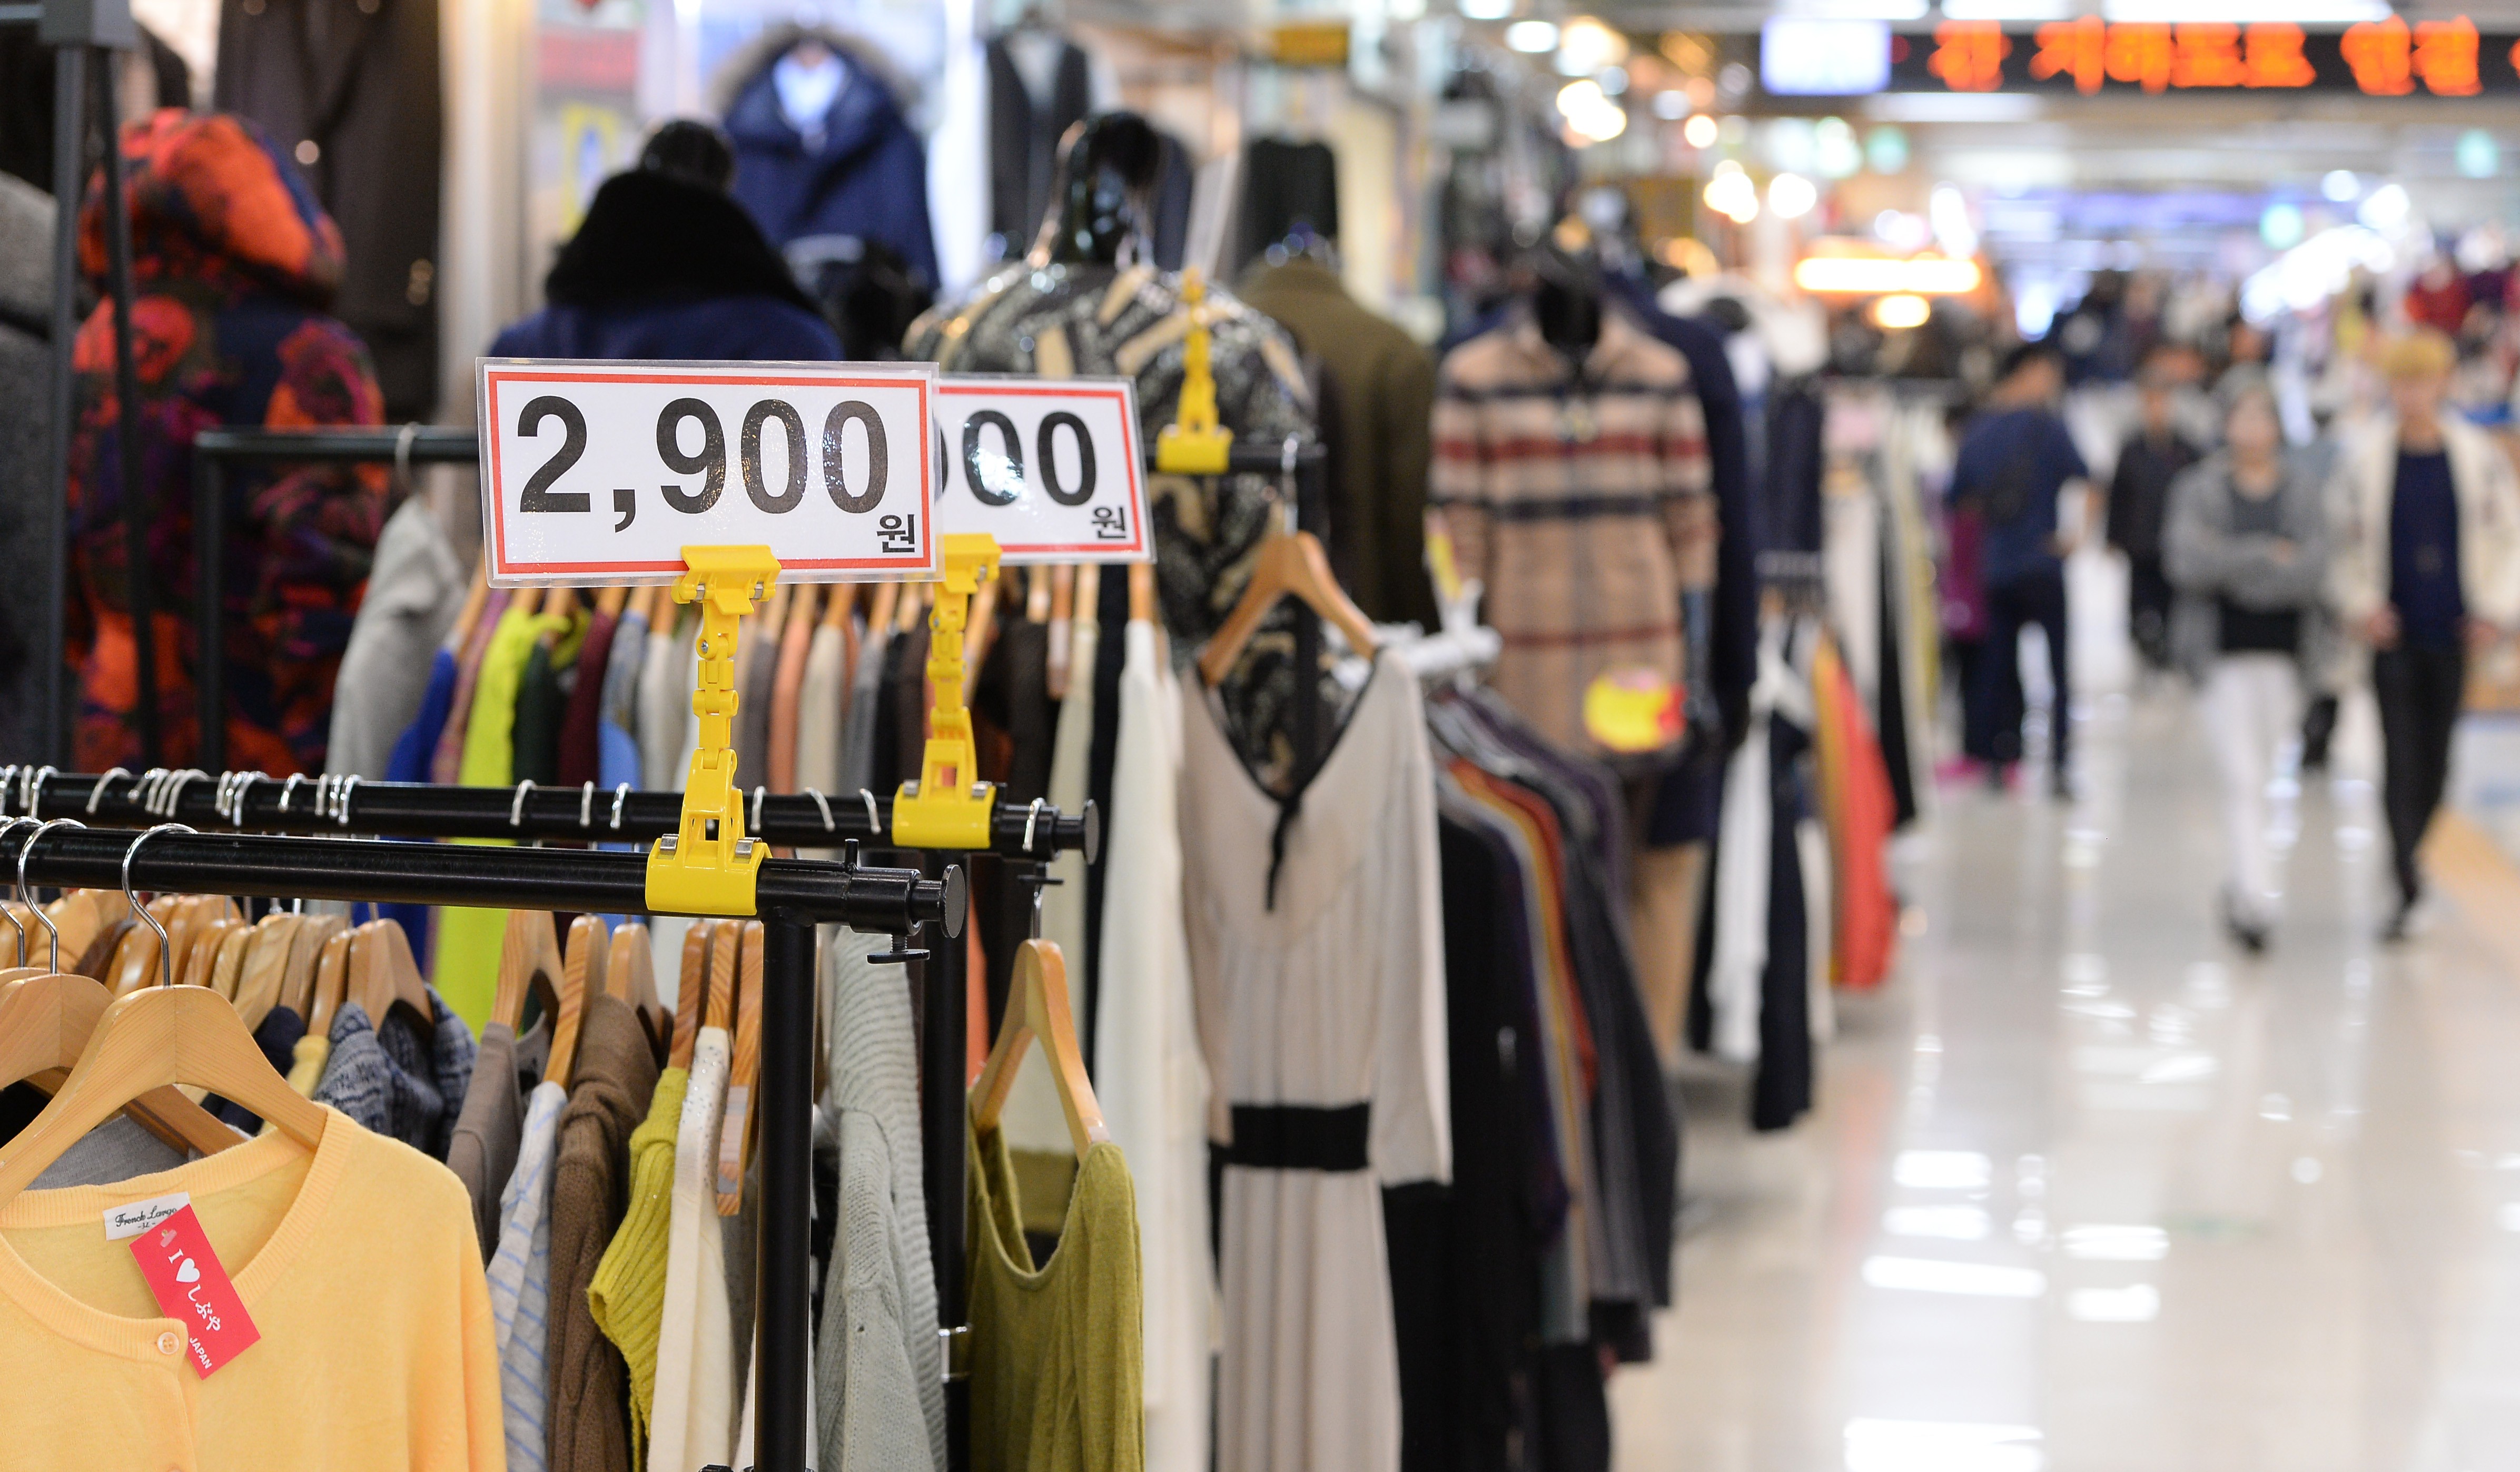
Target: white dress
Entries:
(1147, 1072)
(1314, 1005)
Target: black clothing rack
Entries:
(212, 449)
(792, 897)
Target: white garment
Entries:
(1329, 997)
(2251, 706)
(807, 89)
(694, 1424)
(415, 587)
(820, 701)
(663, 698)
(857, 723)
(878, 1369)
(1147, 1071)
(1740, 958)
(519, 1274)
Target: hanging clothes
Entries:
(491, 1125)
(446, 763)
(1148, 1074)
(414, 592)
(1856, 795)
(610, 1083)
(1040, 85)
(627, 1294)
(398, 1079)
(466, 966)
(519, 1274)
(1578, 497)
(354, 96)
(694, 1399)
(850, 166)
(580, 736)
(1317, 954)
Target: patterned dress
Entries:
(233, 262)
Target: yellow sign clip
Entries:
(1195, 443)
(947, 807)
(708, 865)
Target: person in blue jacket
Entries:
(667, 265)
(822, 148)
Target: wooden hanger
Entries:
(805, 608)
(201, 964)
(97, 959)
(305, 952)
(881, 611)
(691, 992)
(528, 961)
(227, 961)
(1288, 563)
(630, 975)
(161, 1036)
(612, 601)
(45, 1024)
(265, 970)
(331, 981)
(1036, 1007)
(836, 607)
(476, 597)
(735, 1133)
(726, 942)
(82, 913)
(135, 960)
(561, 602)
(582, 977)
(385, 975)
(1142, 593)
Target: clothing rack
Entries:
(792, 896)
(212, 449)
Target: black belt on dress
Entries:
(1299, 1136)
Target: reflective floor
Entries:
(2089, 1190)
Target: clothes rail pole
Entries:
(253, 802)
(401, 445)
(791, 896)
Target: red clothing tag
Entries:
(177, 1259)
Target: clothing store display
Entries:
(851, 166)
(1578, 497)
(1148, 1073)
(627, 1294)
(1055, 1354)
(446, 764)
(464, 964)
(490, 1125)
(692, 1402)
(580, 738)
(1040, 85)
(756, 659)
(878, 1383)
(1385, 386)
(235, 264)
(534, 738)
(413, 592)
(94, 1374)
(609, 1086)
(665, 267)
(114, 1151)
(355, 98)
(396, 1080)
(1316, 956)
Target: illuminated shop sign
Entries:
(2090, 56)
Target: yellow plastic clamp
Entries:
(1195, 443)
(946, 808)
(708, 865)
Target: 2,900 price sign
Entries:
(1048, 467)
(603, 472)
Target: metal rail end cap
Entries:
(1093, 818)
(958, 900)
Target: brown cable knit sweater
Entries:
(609, 1093)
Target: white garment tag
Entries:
(133, 1218)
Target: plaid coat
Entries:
(1582, 500)
(233, 262)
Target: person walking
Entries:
(2139, 505)
(2246, 549)
(2426, 514)
(2012, 470)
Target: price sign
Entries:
(604, 471)
(1048, 467)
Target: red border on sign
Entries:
(1137, 491)
(494, 378)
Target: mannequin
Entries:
(1107, 165)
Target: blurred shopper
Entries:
(233, 265)
(667, 265)
(2011, 472)
(2246, 547)
(2138, 502)
(2426, 515)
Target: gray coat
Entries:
(2207, 561)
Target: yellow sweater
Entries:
(628, 1293)
(361, 1269)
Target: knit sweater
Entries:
(612, 1084)
(695, 1387)
(628, 1293)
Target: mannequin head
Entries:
(1107, 164)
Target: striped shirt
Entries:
(521, 1282)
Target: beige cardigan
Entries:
(2488, 523)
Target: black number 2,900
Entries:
(708, 461)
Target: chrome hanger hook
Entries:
(22, 894)
(517, 808)
(96, 795)
(31, 788)
(21, 925)
(166, 947)
(620, 795)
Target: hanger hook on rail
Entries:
(23, 895)
(166, 960)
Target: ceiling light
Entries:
(1732, 195)
(2477, 154)
(1591, 116)
(1881, 276)
(1532, 36)
(1585, 46)
(2339, 186)
(2386, 209)
(1486, 9)
(1700, 131)
(1791, 196)
(2281, 227)
(1894, 314)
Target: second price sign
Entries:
(1048, 467)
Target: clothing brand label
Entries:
(603, 472)
(133, 1218)
(191, 1285)
(1048, 467)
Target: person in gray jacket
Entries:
(2246, 550)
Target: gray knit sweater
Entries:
(2207, 561)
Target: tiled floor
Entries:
(2089, 1192)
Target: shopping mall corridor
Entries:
(2089, 1191)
